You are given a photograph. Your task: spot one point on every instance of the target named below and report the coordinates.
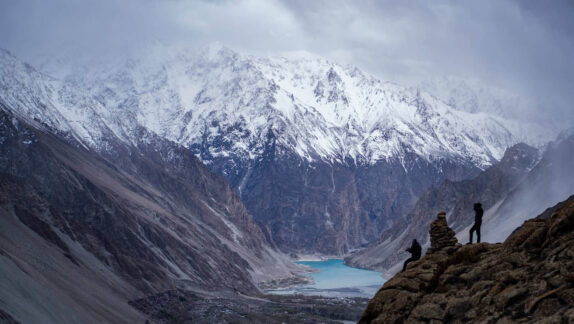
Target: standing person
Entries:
(415, 251)
(477, 222)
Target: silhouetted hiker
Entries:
(477, 222)
(415, 251)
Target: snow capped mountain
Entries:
(474, 96)
(322, 111)
(56, 104)
(324, 155)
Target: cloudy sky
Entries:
(526, 46)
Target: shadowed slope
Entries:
(83, 233)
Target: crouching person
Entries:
(415, 251)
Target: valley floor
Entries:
(178, 306)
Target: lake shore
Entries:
(285, 283)
(330, 278)
(315, 257)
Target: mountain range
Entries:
(324, 156)
(180, 170)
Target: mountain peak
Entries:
(520, 156)
(217, 51)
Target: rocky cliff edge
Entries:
(527, 279)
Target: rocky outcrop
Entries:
(529, 278)
(441, 236)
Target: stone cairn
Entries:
(441, 235)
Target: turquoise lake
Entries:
(335, 279)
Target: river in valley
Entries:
(335, 279)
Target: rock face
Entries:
(520, 187)
(81, 233)
(441, 236)
(529, 278)
(457, 199)
(329, 208)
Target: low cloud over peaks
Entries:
(523, 46)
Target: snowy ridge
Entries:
(232, 105)
(474, 96)
(39, 98)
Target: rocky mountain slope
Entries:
(454, 197)
(83, 232)
(527, 279)
(325, 156)
(547, 183)
(511, 191)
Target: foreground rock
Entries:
(529, 278)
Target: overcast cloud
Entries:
(526, 46)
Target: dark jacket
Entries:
(415, 250)
(478, 213)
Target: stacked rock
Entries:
(441, 235)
